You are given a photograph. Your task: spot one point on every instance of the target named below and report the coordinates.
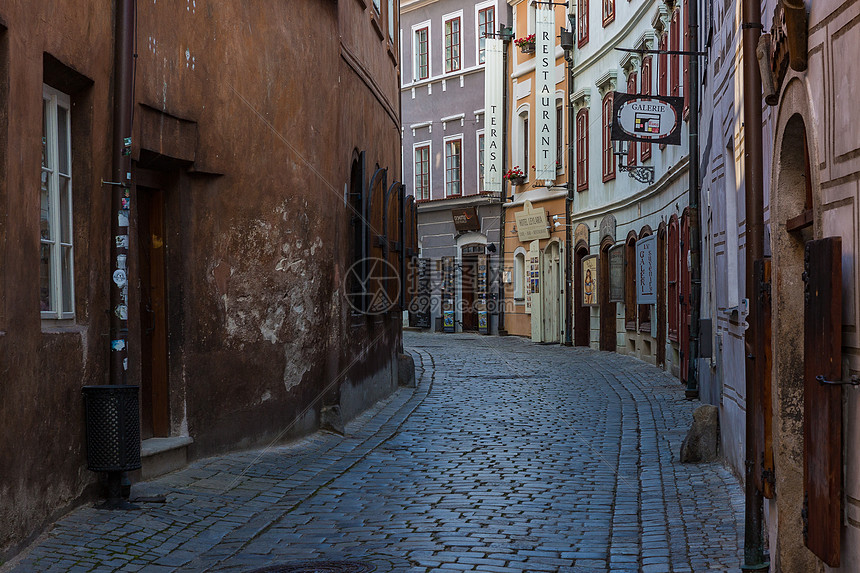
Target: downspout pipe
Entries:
(692, 390)
(754, 558)
(567, 44)
(121, 188)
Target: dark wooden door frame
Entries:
(152, 269)
(581, 313)
(608, 336)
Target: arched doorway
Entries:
(792, 205)
(608, 337)
(551, 306)
(581, 313)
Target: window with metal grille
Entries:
(452, 44)
(56, 268)
(422, 172)
(486, 25)
(453, 173)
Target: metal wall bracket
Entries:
(641, 173)
(853, 381)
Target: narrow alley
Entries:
(508, 456)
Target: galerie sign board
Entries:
(616, 274)
(531, 223)
(652, 119)
(646, 270)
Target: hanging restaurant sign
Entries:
(652, 119)
(544, 124)
(494, 74)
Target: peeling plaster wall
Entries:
(252, 116)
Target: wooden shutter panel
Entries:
(822, 403)
(764, 472)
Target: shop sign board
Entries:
(531, 223)
(494, 74)
(545, 116)
(616, 273)
(589, 281)
(648, 118)
(466, 219)
(646, 270)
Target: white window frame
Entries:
(478, 7)
(53, 99)
(562, 159)
(429, 145)
(519, 275)
(445, 19)
(523, 113)
(732, 186)
(445, 142)
(478, 134)
(415, 27)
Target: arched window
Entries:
(519, 274)
(630, 282)
(582, 150)
(608, 157)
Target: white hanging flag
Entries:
(493, 136)
(545, 135)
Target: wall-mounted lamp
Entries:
(641, 173)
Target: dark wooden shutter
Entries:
(764, 476)
(822, 403)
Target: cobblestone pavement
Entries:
(509, 456)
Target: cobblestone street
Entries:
(508, 456)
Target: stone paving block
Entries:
(482, 467)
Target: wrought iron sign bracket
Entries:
(853, 381)
(641, 173)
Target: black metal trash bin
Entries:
(113, 428)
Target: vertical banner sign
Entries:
(646, 270)
(493, 138)
(545, 150)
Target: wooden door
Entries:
(581, 313)
(684, 298)
(661, 297)
(153, 314)
(764, 465)
(468, 282)
(822, 403)
(608, 337)
(551, 280)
